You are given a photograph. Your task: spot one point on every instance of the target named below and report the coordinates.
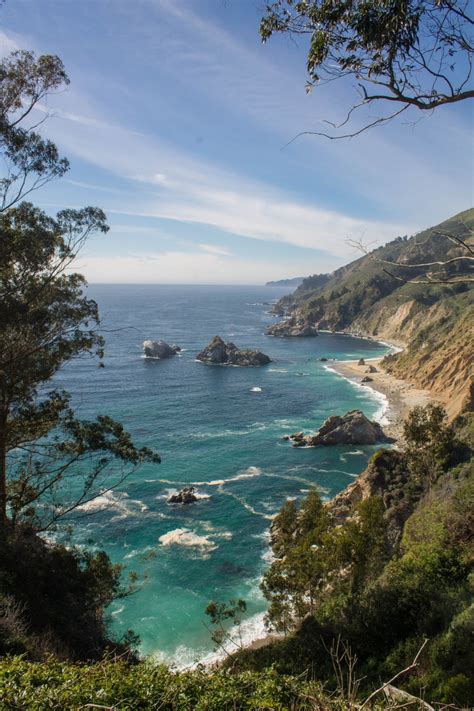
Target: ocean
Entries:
(219, 429)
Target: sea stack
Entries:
(159, 349)
(219, 353)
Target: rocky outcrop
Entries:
(220, 353)
(386, 477)
(185, 496)
(352, 428)
(367, 379)
(292, 328)
(159, 349)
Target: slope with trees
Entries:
(398, 303)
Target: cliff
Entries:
(434, 322)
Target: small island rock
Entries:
(159, 349)
(185, 496)
(352, 428)
(221, 353)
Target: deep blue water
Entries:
(212, 430)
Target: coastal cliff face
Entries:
(434, 323)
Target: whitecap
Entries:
(249, 473)
(276, 370)
(380, 415)
(186, 657)
(116, 501)
(256, 390)
(118, 610)
(186, 537)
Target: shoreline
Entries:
(401, 396)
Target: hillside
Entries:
(433, 321)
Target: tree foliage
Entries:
(30, 160)
(398, 53)
(46, 321)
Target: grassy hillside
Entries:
(434, 321)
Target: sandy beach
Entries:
(401, 395)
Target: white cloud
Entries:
(182, 267)
(8, 43)
(215, 249)
(196, 191)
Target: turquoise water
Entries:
(213, 430)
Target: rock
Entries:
(222, 353)
(361, 361)
(297, 436)
(352, 428)
(371, 369)
(366, 379)
(176, 348)
(159, 349)
(185, 496)
(323, 360)
(291, 328)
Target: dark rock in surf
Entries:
(220, 353)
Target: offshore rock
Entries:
(185, 496)
(220, 353)
(159, 349)
(352, 428)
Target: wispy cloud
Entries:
(215, 249)
(192, 190)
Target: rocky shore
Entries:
(401, 395)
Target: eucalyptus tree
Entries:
(395, 54)
(29, 159)
(51, 462)
(46, 320)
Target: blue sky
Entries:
(176, 122)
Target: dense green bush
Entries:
(60, 687)
(53, 598)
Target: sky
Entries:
(178, 123)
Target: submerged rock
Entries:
(185, 496)
(221, 353)
(159, 349)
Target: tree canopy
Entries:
(30, 160)
(46, 320)
(398, 53)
